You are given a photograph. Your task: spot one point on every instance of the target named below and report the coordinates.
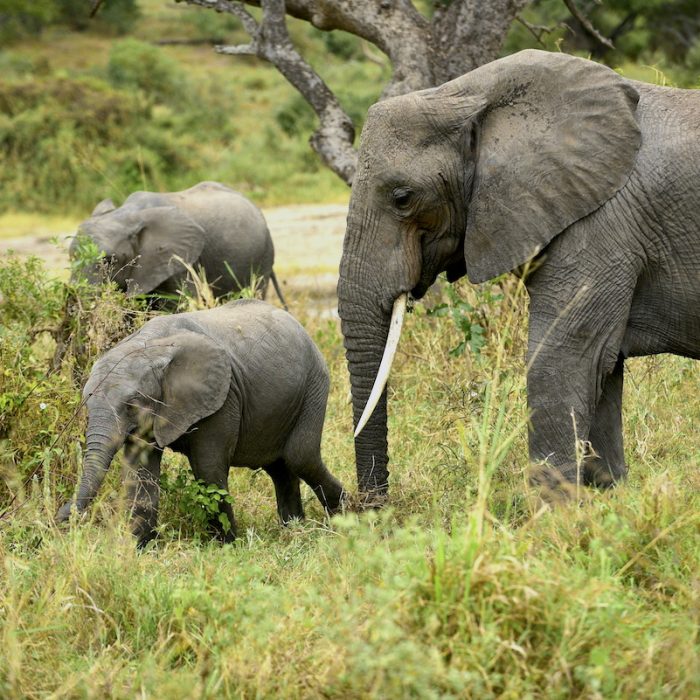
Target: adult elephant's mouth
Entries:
(426, 281)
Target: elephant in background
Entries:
(550, 162)
(242, 384)
(149, 241)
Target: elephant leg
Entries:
(302, 454)
(143, 489)
(573, 350)
(312, 471)
(607, 465)
(210, 465)
(327, 488)
(287, 491)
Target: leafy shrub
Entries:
(470, 320)
(342, 44)
(114, 16)
(190, 503)
(19, 18)
(136, 65)
(68, 143)
(50, 335)
(208, 24)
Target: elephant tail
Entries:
(278, 290)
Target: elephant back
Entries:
(237, 240)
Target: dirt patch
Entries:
(308, 243)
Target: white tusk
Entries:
(392, 342)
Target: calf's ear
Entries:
(168, 238)
(104, 207)
(194, 383)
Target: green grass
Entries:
(464, 587)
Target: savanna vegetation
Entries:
(465, 586)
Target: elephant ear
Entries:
(557, 138)
(167, 238)
(195, 383)
(104, 207)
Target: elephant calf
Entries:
(151, 239)
(242, 384)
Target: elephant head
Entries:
(476, 176)
(142, 247)
(164, 384)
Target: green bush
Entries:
(114, 16)
(20, 18)
(68, 143)
(136, 65)
(50, 335)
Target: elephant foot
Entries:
(373, 490)
(555, 485)
(341, 504)
(65, 510)
(143, 539)
(372, 500)
(226, 534)
(602, 476)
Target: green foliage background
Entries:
(86, 113)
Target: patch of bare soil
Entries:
(308, 242)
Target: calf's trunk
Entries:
(103, 440)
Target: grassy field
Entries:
(465, 586)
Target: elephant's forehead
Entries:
(394, 121)
(393, 130)
(100, 231)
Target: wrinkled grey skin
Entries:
(535, 156)
(208, 225)
(242, 384)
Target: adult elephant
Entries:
(537, 156)
(153, 238)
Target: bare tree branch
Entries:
(95, 7)
(422, 52)
(537, 30)
(270, 40)
(587, 25)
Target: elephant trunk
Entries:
(392, 342)
(365, 327)
(104, 438)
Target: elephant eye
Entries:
(402, 196)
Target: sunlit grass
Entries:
(21, 224)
